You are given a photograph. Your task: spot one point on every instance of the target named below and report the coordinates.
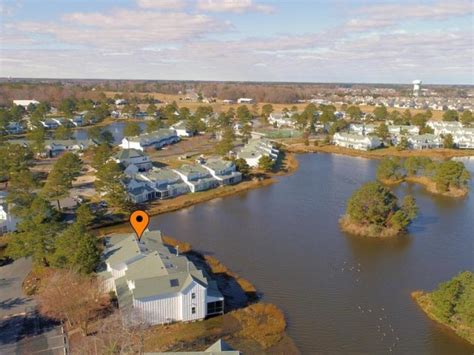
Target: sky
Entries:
(240, 40)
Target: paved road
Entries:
(12, 299)
(22, 329)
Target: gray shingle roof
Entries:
(156, 270)
(129, 154)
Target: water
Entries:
(116, 128)
(285, 239)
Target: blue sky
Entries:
(257, 40)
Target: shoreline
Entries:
(289, 166)
(180, 202)
(429, 186)
(423, 301)
(360, 230)
(301, 148)
(249, 312)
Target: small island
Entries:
(451, 304)
(373, 211)
(448, 178)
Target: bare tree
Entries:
(112, 337)
(72, 298)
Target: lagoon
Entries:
(340, 293)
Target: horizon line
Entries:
(237, 81)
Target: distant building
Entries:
(356, 141)
(281, 119)
(400, 129)
(245, 100)
(155, 285)
(362, 129)
(7, 221)
(14, 128)
(425, 141)
(257, 148)
(25, 103)
(224, 171)
(443, 127)
(120, 102)
(416, 88)
(157, 139)
(165, 182)
(181, 129)
(464, 142)
(50, 124)
(197, 177)
(135, 157)
(57, 147)
(53, 148)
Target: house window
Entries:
(193, 295)
(215, 307)
(193, 310)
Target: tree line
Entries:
(447, 175)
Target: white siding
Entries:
(199, 302)
(108, 285)
(117, 272)
(159, 310)
(172, 308)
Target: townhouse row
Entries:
(164, 183)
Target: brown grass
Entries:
(298, 147)
(218, 268)
(262, 322)
(34, 281)
(349, 226)
(430, 185)
(183, 247)
(424, 301)
(256, 329)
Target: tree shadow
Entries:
(12, 302)
(27, 331)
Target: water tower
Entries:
(416, 87)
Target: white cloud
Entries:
(162, 4)
(238, 6)
(394, 57)
(387, 15)
(125, 28)
(167, 43)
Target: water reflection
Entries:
(285, 239)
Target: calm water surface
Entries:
(285, 239)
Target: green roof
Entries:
(218, 164)
(123, 250)
(188, 169)
(129, 153)
(157, 270)
(219, 347)
(124, 295)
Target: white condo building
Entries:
(156, 285)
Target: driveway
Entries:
(13, 303)
(12, 298)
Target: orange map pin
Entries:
(139, 221)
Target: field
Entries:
(220, 107)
